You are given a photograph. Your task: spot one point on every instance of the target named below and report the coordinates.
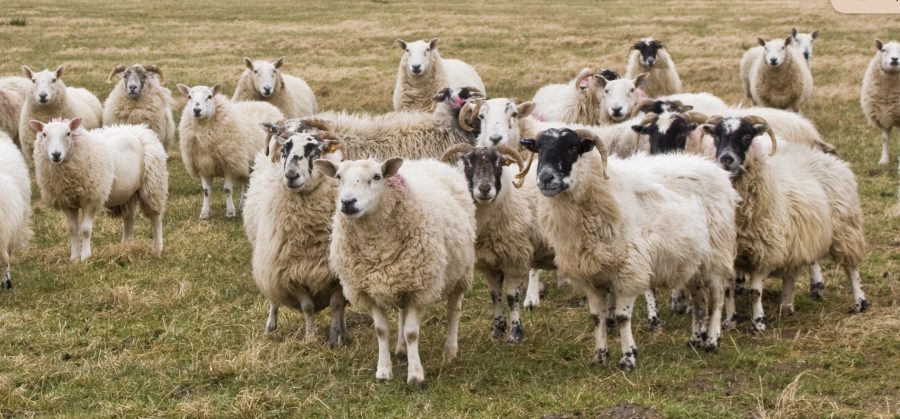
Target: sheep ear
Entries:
(36, 125)
(639, 80)
(525, 109)
(709, 129)
(183, 89)
(75, 123)
(28, 73)
(787, 41)
(248, 63)
(762, 42)
(216, 88)
(793, 32)
(119, 68)
(327, 168)
(401, 44)
(815, 34)
(441, 95)
(601, 81)
(432, 44)
(878, 46)
(279, 62)
(59, 71)
(685, 108)
(692, 126)
(638, 129)
(391, 166)
(269, 127)
(530, 144)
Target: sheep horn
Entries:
(641, 105)
(154, 69)
(320, 124)
(523, 172)
(694, 116)
(472, 107)
(449, 156)
(119, 68)
(648, 119)
(601, 147)
(327, 136)
(585, 72)
(754, 120)
(507, 150)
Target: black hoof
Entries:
(655, 323)
(599, 357)
(859, 307)
(816, 290)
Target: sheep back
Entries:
(15, 188)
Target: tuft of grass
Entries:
(17, 21)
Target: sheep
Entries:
(649, 56)
(500, 119)
(119, 167)
(422, 71)
(50, 98)
(509, 241)
(798, 205)
(221, 138)
(262, 80)
(429, 247)
(10, 108)
(576, 102)
(20, 85)
(287, 218)
(880, 96)
(776, 76)
(614, 232)
(140, 98)
(803, 43)
(618, 97)
(15, 207)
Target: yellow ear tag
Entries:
(331, 148)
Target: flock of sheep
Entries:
(637, 186)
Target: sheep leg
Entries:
(230, 211)
(652, 313)
(415, 374)
(454, 312)
(678, 303)
(87, 230)
(207, 188)
(699, 314)
(885, 146)
(788, 280)
(513, 291)
(308, 307)
(7, 274)
(495, 285)
(729, 322)
(740, 279)
(610, 310)
(756, 289)
(717, 297)
(597, 305)
(74, 239)
(382, 330)
(533, 293)
(624, 307)
(400, 347)
(816, 281)
(127, 226)
(272, 321)
(156, 221)
(338, 306)
(860, 303)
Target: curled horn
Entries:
(694, 116)
(523, 171)
(641, 105)
(601, 148)
(319, 124)
(507, 150)
(119, 68)
(449, 156)
(156, 70)
(468, 112)
(754, 120)
(585, 73)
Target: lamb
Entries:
(798, 206)
(10, 108)
(776, 76)
(613, 233)
(430, 246)
(509, 241)
(649, 56)
(422, 71)
(287, 218)
(803, 43)
(577, 102)
(15, 207)
(140, 98)
(880, 96)
(262, 80)
(117, 167)
(50, 98)
(220, 139)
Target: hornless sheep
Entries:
(119, 167)
(20, 85)
(50, 98)
(10, 108)
(499, 119)
(614, 233)
(776, 76)
(426, 255)
(220, 138)
(287, 218)
(650, 57)
(15, 207)
(618, 97)
(423, 71)
(880, 96)
(798, 206)
(262, 80)
(140, 98)
(509, 240)
(576, 102)
(803, 43)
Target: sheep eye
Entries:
(68, 133)
(632, 90)
(480, 116)
(255, 72)
(605, 90)
(53, 81)
(376, 177)
(515, 114)
(209, 97)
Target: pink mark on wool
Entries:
(61, 119)
(641, 94)
(458, 102)
(536, 115)
(396, 181)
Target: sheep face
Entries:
(483, 167)
(264, 75)
(620, 96)
(648, 48)
(775, 51)
(733, 138)
(297, 156)
(890, 56)
(803, 42)
(362, 183)
(660, 106)
(200, 100)
(456, 97)
(136, 78)
(47, 84)
(499, 121)
(558, 151)
(419, 55)
(668, 132)
(57, 137)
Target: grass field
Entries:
(129, 334)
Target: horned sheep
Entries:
(649, 56)
(422, 72)
(880, 96)
(264, 80)
(140, 98)
(15, 207)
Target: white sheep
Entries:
(220, 138)
(429, 247)
(15, 207)
(422, 72)
(615, 232)
(776, 76)
(619, 97)
(576, 102)
(803, 43)
(20, 85)
(117, 167)
(798, 206)
(50, 98)
(649, 56)
(880, 96)
(263, 80)
(140, 98)
(287, 218)
(10, 108)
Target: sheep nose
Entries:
(43, 97)
(773, 61)
(726, 160)
(267, 90)
(484, 188)
(347, 206)
(806, 54)
(55, 156)
(132, 88)
(196, 112)
(895, 60)
(545, 178)
(291, 175)
(617, 110)
(417, 68)
(495, 138)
